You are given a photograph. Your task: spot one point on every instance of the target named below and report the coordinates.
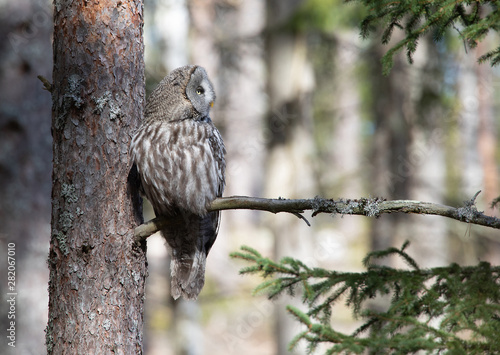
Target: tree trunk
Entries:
(487, 142)
(97, 274)
(426, 159)
(25, 167)
(291, 146)
(390, 176)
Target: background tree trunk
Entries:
(425, 161)
(97, 275)
(25, 165)
(290, 169)
(391, 143)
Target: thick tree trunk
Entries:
(97, 274)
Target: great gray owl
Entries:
(179, 156)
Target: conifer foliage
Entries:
(443, 310)
(471, 19)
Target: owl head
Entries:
(186, 93)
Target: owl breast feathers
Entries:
(179, 155)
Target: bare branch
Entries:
(46, 83)
(370, 207)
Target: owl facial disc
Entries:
(200, 92)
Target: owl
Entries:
(179, 156)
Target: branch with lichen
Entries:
(370, 207)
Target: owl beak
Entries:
(212, 104)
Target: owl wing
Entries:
(212, 220)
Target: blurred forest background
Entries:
(304, 111)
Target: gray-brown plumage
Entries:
(179, 155)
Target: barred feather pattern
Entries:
(181, 165)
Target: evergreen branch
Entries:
(296, 340)
(430, 309)
(383, 253)
(494, 56)
(416, 18)
(370, 207)
(496, 201)
(301, 316)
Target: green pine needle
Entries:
(416, 18)
(428, 310)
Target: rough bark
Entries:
(97, 273)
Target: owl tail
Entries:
(188, 274)
(190, 241)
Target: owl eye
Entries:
(200, 90)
